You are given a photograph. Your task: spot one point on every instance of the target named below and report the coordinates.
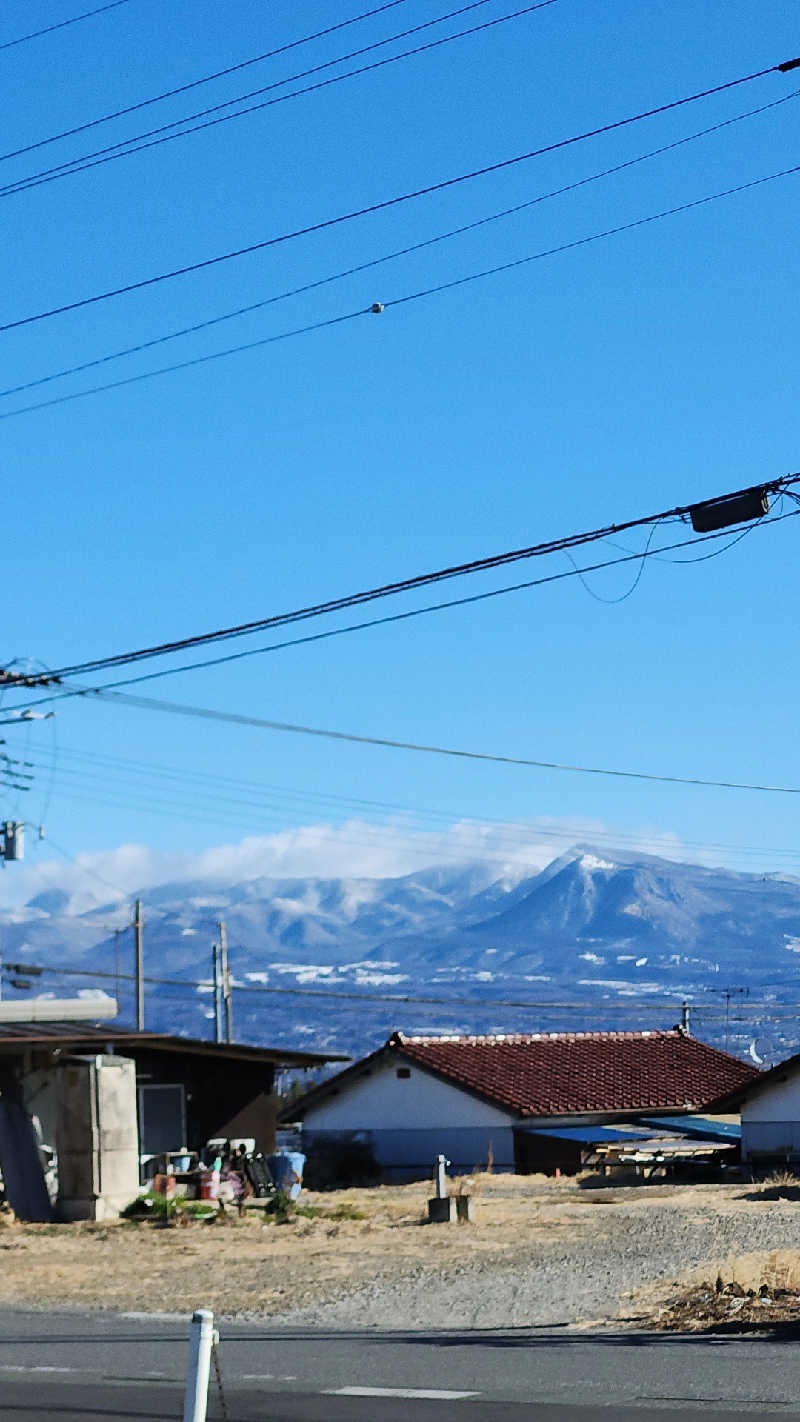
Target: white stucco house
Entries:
(523, 1102)
(770, 1111)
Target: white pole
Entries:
(200, 1341)
(441, 1179)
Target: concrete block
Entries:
(442, 1211)
(465, 1206)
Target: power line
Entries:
(193, 83)
(595, 237)
(217, 789)
(415, 999)
(185, 365)
(123, 149)
(447, 841)
(379, 307)
(206, 713)
(452, 840)
(111, 693)
(92, 873)
(385, 203)
(393, 256)
(62, 24)
(404, 585)
(236, 718)
(431, 607)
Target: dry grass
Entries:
(741, 1293)
(255, 1265)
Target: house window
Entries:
(404, 1073)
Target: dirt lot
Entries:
(539, 1251)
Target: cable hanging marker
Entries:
(376, 308)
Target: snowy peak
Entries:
(586, 928)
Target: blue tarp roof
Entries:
(592, 1135)
(697, 1126)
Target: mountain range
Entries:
(603, 939)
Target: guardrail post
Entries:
(201, 1340)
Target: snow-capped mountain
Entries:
(585, 930)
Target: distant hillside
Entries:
(584, 930)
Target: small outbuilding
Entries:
(63, 1104)
(770, 1113)
(538, 1102)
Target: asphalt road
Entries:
(69, 1366)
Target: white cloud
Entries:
(356, 850)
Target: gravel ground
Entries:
(540, 1252)
(590, 1277)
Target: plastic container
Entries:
(209, 1184)
(286, 1169)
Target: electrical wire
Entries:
(420, 611)
(763, 1011)
(379, 307)
(393, 256)
(598, 597)
(336, 995)
(594, 237)
(450, 843)
(110, 694)
(62, 24)
(93, 874)
(427, 835)
(232, 717)
(237, 718)
(299, 803)
(101, 156)
(196, 83)
(84, 869)
(421, 580)
(382, 205)
(185, 365)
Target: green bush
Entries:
(151, 1206)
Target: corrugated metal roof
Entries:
(15, 1036)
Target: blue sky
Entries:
(648, 369)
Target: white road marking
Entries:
(140, 1317)
(268, 1377)
(440, 1393)
(37, 1368)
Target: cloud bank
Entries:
(356, 849)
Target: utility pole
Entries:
(12, 837)
(117, 932)
(139, 968)
(217, 1014)
(226, 980)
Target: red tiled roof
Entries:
(554, 1074)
